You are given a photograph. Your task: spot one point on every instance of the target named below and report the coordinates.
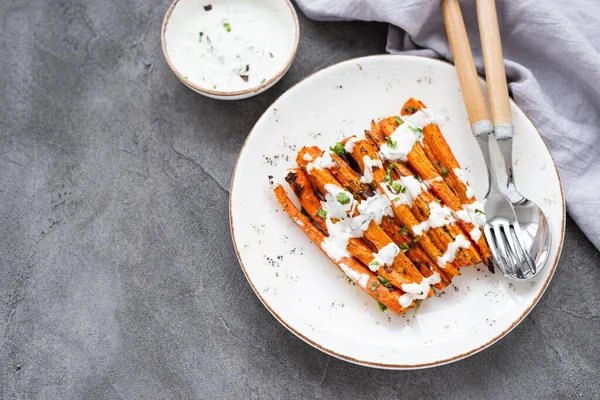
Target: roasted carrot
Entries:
(348, 177)
(420, 163)
(399, 235)
(401, 211)
(446, 234)
(439, 153)
(356, 271)
(400, 272)
(440, 236)
(306, 194)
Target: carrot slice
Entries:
(397, 274)
(357, 272)
(364, 148)
(415, 254)
(454, 192)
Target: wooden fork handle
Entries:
(463, 60)
(494, 62)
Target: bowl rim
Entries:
(254, 89)
(398, 366)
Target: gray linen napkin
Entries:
(552, 63)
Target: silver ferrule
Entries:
(483, 127)
(504, 131)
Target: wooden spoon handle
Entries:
(463, 60)
(494, 62)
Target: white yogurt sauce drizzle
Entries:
(322, 162)
(411, 188)
(229, 47)
(460, 242)
(436, 179)
(332, 206)
(460, 174)
(358, 277)
(368, 170)
(385, 256)
(438, 216)
(417, 291)
(405, 136)
(349, 146)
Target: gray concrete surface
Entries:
(118, 277)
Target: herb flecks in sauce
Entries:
(228, 42)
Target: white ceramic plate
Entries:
(306, 292)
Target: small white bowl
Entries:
(180, 32)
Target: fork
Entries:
(530, 214)
(502, 229)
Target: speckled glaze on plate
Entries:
(306, 292)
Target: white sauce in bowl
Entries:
(233, 45)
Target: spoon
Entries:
(534, 224)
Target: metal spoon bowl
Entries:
(534, 227)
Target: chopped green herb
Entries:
(417, 306)
(263, 81)
(391, 142)
(384, 281)
(200, 34)
(271, 54)
(396, 186)
(396, 199)
(410, 109)
(303, 211)
(322, 213)
(338, 148)
(388, 175)
(415, 129)
(444, 169)
(382, 307)
(404, 247)
(477, 210)
(374, 286)
(227, 26)
(403, 189)
(374, 263)
(438, 201)
(398, 120)
(215, 86)
(342, 198)
(404, 231)
(415, 240)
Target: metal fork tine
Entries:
(501, 246)
(523, 255)
(512, 249)
(512, 252)
(492, 245)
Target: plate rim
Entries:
(388, 365)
